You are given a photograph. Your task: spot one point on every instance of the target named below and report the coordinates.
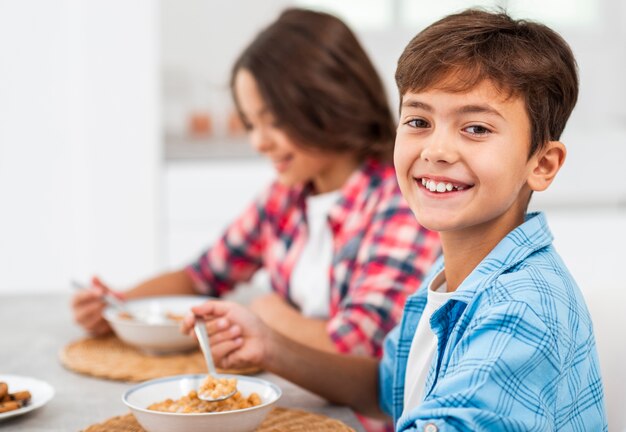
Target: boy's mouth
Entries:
(442, 186)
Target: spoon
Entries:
(108, 299)
(203, 339)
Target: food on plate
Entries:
(9, 406)
(192, 404)
(12, 401)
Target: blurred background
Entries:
(120, 154)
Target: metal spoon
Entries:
(108, 299)
(203, 339)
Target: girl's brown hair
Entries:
(320, 85)
(522, 58)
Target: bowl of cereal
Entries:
(152, 324)
(171, 404)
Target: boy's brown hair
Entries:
(521, 58)
(320, 85)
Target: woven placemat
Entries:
(291, 420)
(278, 420)
(110, 358)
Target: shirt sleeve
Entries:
(394, 255)
(502, 375)
(235, 257)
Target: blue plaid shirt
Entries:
(516, 350)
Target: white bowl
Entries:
(153, 333)
(139, 397)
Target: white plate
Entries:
(40, 391)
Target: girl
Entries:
(333, 232)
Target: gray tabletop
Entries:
(34, 328)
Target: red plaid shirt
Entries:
(380, 253)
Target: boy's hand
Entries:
(239, 339)
(87, 306)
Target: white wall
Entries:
(589, 242)
(79, 141)
(201, 40)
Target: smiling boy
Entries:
(499, 338)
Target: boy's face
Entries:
(462, 158)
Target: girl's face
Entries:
(293, 163)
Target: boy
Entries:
(499, 338)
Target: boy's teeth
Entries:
(440, 187)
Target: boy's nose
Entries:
(440, 149)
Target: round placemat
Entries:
(278, 420)
(110, 358)
(291, 420)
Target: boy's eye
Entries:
(477, 130)
(418, 123)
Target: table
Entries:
(35, 327)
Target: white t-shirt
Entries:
(310, 279)
(424, 345)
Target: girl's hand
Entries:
(271, 307)
(87, 307)
(239, 339)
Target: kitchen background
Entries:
(119, 153)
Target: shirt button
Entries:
(431, 427)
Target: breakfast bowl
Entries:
(141, 396)
(152, 324)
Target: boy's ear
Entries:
(546, 163)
